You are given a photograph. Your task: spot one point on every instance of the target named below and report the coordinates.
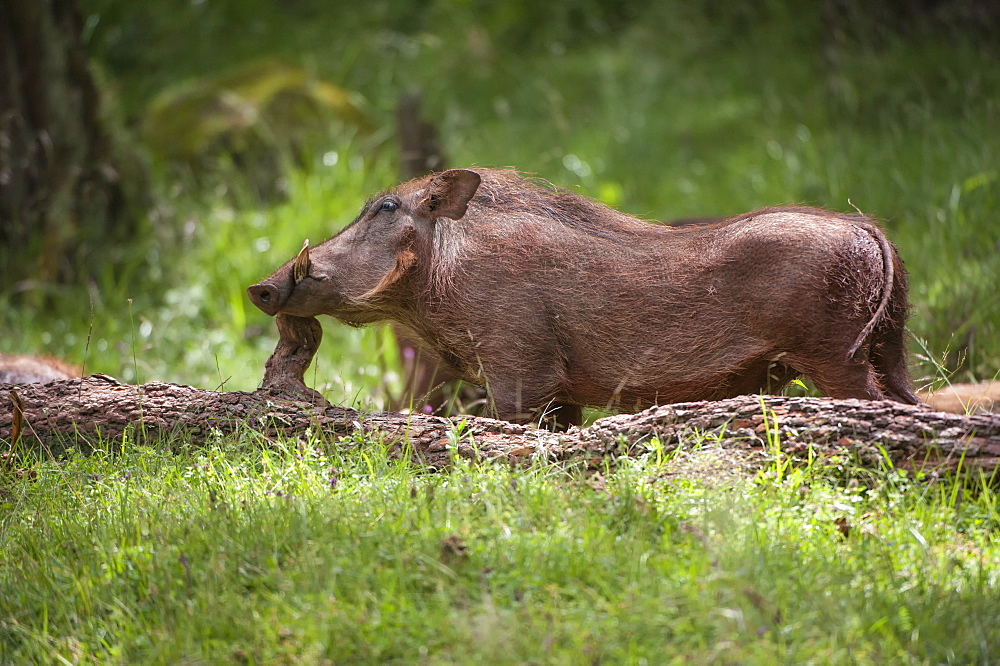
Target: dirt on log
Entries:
(80, 411)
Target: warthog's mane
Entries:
(516, 196)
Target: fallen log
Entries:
(79, 411)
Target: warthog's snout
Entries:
(265, 297)
(269, 297)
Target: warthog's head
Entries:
(352, 275)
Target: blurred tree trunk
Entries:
(419, 147)
(429, 386)
(65, 199)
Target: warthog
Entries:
(34, 369)
(553, 301)
(981, 398)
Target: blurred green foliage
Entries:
(264, 115)
(662, 109)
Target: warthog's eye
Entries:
(388, 205)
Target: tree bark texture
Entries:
(63, 197)
(78, 411)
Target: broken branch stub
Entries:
(285, 370)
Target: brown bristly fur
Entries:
(983, 397)
(16, 369)
(546, 297)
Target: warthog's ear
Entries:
(448, 194)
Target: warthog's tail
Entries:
(887, 352)
(887, 285)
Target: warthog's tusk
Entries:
(302, 263)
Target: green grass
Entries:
(237, 549)
(247, 551)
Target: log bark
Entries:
(79, 411)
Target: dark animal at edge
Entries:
(552, 301)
